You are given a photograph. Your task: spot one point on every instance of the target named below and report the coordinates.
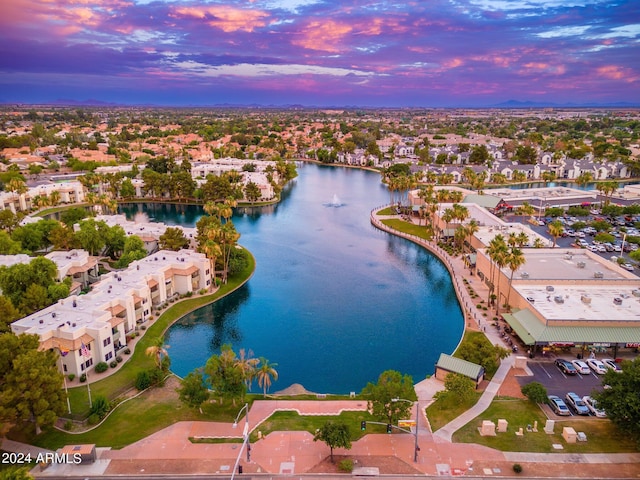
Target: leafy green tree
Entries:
(604, 237)
(173, 239)
(482, 352)
(479, 155)
(30, 382)
(8, 246)
(252, 192)
(34, 298)
(8, 220)
(16, 279)
(224, 375)
(90, 237)
(621, 400)
(535, 392)
(193, 391)
(391, 385)
(335, 435)
(15, 473)
(8, 314)
(73, 215)
(459, 386)
(133, 250)
(127, 190)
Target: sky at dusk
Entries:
(427, 53)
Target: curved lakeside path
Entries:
(474, 320)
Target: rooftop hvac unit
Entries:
(524, 275)
(617, 301)
(550, 288)
(585, 299)
(558, 299)
(598, 275)
(635, 292)
(581, 264)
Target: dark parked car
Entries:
(576, 403)
(558, 406)
(566, 366)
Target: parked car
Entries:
(566, 366)
(597, 366)
(575, 402)
(581, 367)
(558, 406)
(611, 364)
(627, 266)
(592, 405)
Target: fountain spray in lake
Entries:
(141, 217)
(335, 201)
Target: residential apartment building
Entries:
(102, 319)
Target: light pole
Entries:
(416, 447)
(245, 433)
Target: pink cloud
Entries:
(226, 18)
(326, 36)
(614, 72)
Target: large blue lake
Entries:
(333, 301)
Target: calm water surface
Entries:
(333, 301)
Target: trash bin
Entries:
(579, 356)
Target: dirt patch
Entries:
(385, 464)
(510, 386)
(295, 389)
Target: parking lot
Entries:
(557, 383)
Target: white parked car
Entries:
(611, 363)
(592, 405)
(597, 366)
(627, 266)
(593, 248)
(581, 367)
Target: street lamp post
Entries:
(416, 447)
(245, 433)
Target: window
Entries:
(106, 341)
(64, 367)
(89, 362)
(82, 367)
(108, 356)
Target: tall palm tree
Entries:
(472, 227)
(496, 249)
(266, 374)
(157, 350)
(54, 198)
(515, 260)
(555, 230)
(247, 365)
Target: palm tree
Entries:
(17, 186)
(555, 230)
(584, 178)
(526, 209)
(54, 198)
(247, 365)
(266, 374)
(472, 227)
(538, 243)
(518, 176)
(496, 250)
(515, 260)
(157, 350)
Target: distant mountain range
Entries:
(507, 105)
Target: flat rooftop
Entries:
(542, 194)
(585, 302)
(567, 264)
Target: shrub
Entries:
(535, 392)
(346, 465)
(100, 407)
(101, 367)
(68, 425)
(127, 351)
(71, 376)
(113, 364)
(143, 327)
(83, 378)
(93, 419)
(142, 380)
(189, 294)
(517, 467)
(119, 359)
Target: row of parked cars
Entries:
(585, 367)
(573, 403)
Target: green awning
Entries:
(520, 330)
(531, 331)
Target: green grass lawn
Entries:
(115, 385)
(388, 211)
(419, 231)
(602, 435)
(292, 421)
(443, 410)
